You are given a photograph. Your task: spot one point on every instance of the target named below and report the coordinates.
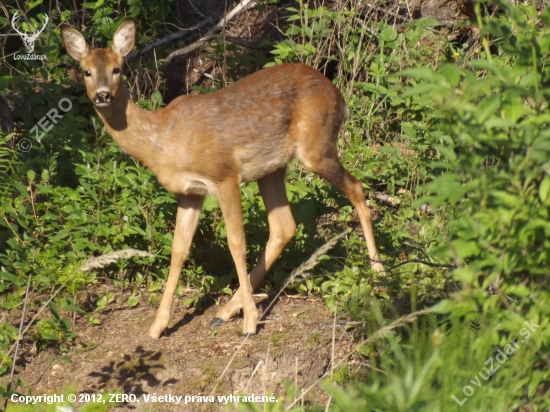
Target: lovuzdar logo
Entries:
(28, 38)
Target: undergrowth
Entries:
(449, 135)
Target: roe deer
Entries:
(212, 143)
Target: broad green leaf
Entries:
(514, 108)
(74, 308)
(154, 287)
(388, 33)
(465, 249)
(424, 90)
(133, 301)
(451, 73)
(424, 22)
(421, 73)
(444, 306)
(448, 152)
(506, 198)
(11, 278)
(49, 336)
(544, 189)
(487, 107)
(33, 4)
(485, 65)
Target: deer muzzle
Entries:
(103, 98)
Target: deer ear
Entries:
(74, 42)
(123, 40)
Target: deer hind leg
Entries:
(282, 229)
(229, 196)
(327, 165)
(187, 219)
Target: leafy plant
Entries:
(59, 328)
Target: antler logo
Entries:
(27, 39)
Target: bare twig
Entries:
(253, 374)
(392, 200)
(245, 42)
(13, 231)
(389, 13)
(309, 264)
(195, 8)
(333, 344)
(239, 41)
(243, 5)
(397, 16)
(396, 201)
(167, 39)
(203, 73)
(378, 335)
(20, 328)
(424, 262)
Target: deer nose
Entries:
(103, 97)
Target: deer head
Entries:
(27, 39)
(102, 68)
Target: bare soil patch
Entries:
(293, 345)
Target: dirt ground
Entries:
(293, 345)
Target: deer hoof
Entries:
(216, 322)
(155, 333)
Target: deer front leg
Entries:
(187, 219)
(229, 196)
(282, 229)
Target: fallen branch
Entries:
(167, 39)
(98, 262)
(243, 5)
(178, 35)
(395, 201)
(423, 262)
(202, 73)
(244, 42)
(392, 200)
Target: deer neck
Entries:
(135, 130)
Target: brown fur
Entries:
(211, 143)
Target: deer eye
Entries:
(116, 70)
(87, 73)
